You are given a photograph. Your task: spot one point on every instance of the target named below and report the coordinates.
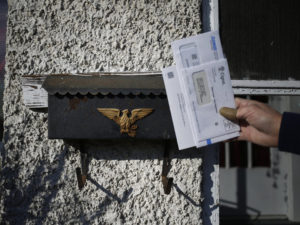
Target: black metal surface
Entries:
(75, 116)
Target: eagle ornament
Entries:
(126, 122)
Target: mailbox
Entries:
(109, 107)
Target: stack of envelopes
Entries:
(197, 87)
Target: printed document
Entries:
(197, 87)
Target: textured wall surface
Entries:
(38, 182)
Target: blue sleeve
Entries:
(289, 134)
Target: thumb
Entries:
(228, 113)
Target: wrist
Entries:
(278, 124)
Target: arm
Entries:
(265, 126)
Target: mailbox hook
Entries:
(167, 182)
(82, 172)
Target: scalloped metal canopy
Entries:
(123, 83)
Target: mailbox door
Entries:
(77, 117)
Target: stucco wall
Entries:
(38, 181)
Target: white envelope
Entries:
(197, 88)
(197, 49)
(178, 108)
(206, 89)
(177, 105)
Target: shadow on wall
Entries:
(110, 150)
(42, 189)
(44, 183)
(17, 203)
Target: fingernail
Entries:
(228, 113)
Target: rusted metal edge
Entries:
(117, 84)
(148, 73)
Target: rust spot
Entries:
(74, 102)
(32, 86)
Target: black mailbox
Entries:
(92, 107)
(109, 107)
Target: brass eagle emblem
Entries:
(126, 122)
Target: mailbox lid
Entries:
(73, 114)
(104, 84)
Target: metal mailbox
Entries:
(84, 107)
(107, 107)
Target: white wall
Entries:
(38, 182)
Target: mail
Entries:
(197, 88)
(196, 50)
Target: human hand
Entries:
(259, 122)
